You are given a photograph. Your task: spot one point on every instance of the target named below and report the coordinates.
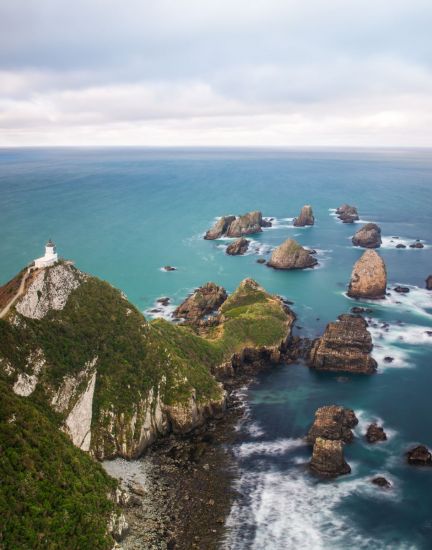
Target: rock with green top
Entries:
(291, 255)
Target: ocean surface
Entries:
(123, 214)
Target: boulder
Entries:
(333, 422)
(202, 302)
(369, 277)
(306, 217)
(402, 289)
(245, 225)
(429, 282)
(417, 244)
(419, 456)
(328, 458)
(347, 213)
(381, 481)
(238, 247)
(400, 245)
(220, 228)
(261, 261)
(375, 433)
(345, 346)
(291, 255)
(368, 236)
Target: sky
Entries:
(216, 72)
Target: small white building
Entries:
(50, 257)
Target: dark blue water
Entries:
(122, 214)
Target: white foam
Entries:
(365, 419)
(254, 430)
(390, 242)
(280, 223)
(160, 311)
(291, 510)
(277, 447)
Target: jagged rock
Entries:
(245, 225)
(400, 245)
(381, 482)
(417, 244)
(238, 247)
(375, 433)
(429, 282)
(203, 301)
(419, 456)
(347, 213)
(346, 346)
(333, 422)
(290, 255)
(328, 458)
(401, 289)
(369, 277)
(306, 217)
(164, 301)
(219, 228)
(369, 236)
(233, 226)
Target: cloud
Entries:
(202, 72)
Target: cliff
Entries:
(74, 345)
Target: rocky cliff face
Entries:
(305, 217)
(346, 345)
(202, 302)
(369, 277)
(330, 430)
(369, 236)
(347, 213)
(238, 247)
(290, 255)
(232, 226)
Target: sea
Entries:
(123, 214)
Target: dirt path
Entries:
(20, 292)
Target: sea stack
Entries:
(291, 255)
(345, 346)
(232, 226)
(238, 247)
(306, 217)
(347, 213)
(369, 236)
(369, 277)
(328, 458)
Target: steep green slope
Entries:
(52, 495)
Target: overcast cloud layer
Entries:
(216, 72)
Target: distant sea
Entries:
(124, 213)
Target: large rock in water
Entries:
(369, 277)
(347, 213)
(429, 282)
(346, 346)
(419, 456)
(369, 236)
(219, 228)
(290, 255)
(238, 247)
(328, 458)
(202, 302)
(333, 422)
(232, 226)
(375, 433)
(306, 217)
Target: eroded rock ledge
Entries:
(345, 346)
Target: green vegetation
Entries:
(52, 495)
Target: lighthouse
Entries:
(50, 257)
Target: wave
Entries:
(277, 447)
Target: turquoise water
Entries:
(122, 214)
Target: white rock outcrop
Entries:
(26, 381)
(78, 422)
(50, 289)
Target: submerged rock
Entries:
(328, 458)
(169, 268)
(402, 289)
(400, 245)
(238, 247)
(419, 456)
(369, 277)
(306, 217)
(429, 282)
(417, 244)
(347, 213)
(369, 236)
(291, 255)
(202, 302)
(381, 481)
(375, 433)
(261, 261)
(333, 422)
(346, 346)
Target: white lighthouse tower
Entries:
(50, 257)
